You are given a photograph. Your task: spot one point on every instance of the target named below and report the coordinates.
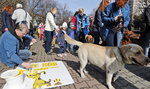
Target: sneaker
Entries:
(60, 55)
(64, 54)
(31, 43)
(72, 52)
(67, 50)
(50, 52)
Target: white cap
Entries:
(64, 25)
(18, 5)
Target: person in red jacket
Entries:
(74, 20)
(74, 28)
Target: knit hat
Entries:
(71, 25)
(64, 25)
(18, 5)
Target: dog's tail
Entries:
(72, 41)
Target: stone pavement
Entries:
(133, 77)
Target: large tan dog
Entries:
(111, 59)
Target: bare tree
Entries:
(63, 14)
(93, 12)
(39, 8)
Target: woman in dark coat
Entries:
(98, 24)
(6, 18)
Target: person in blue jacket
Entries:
(111, 15)
(6, 18)
(82, 23)
(10, 54)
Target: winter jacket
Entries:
(50, 23)
(112, 11)
(21, 15)
(61, 38)
(98, 19)
(9, 49)
(6, 20)
(74, 22)
(84, 22)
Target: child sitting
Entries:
(61, 40)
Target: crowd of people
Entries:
(106, 28)
(15, 40)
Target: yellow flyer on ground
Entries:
(46, 75)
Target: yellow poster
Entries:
(46, 75)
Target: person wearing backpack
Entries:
(20, 15)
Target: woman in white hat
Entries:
(20, 15)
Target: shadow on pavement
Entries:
(99, 75)
(55, 50)
(34, 53)
(141, 71)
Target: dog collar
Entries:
(119, 49)
(119, 55)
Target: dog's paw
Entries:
(111, 87)
(115, 78)
(85, 71)
(83, 76)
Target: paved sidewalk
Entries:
(133, 77)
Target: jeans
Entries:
(62, 49)
(103, 32)
(71, 34)
(114, 39)
(147, 51)
(48, 42)
(26, 42)
(119, 38)
(99, 32)
(24, 54)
